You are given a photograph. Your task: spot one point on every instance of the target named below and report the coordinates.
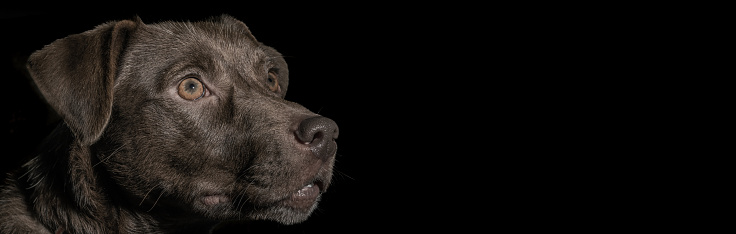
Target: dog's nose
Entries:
(319, 134)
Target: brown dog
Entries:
(167, 128)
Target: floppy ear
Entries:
(76, 74)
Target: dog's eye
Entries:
(272, 82)
(191, 89)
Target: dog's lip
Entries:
(214, 199)
(305, 197)
(211, 194)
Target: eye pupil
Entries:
(191, 87)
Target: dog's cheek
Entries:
(150, 151)
(278, 168)
(193, 156)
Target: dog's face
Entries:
(198, 126)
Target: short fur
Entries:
(132, 156)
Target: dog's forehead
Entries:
(229, 38)
(225, 46)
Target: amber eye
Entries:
(272, 82)
(191, 89)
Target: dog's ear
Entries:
(76, 74)
(239, 26)
(236, 24)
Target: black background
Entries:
(452, 116)
(402, 82)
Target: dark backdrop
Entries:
(389, 76)
(452, 116)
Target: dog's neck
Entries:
(64, 181)
(62, 185)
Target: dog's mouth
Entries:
(305, 197)
(211, 200)
(287, 200)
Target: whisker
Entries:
(109, 156)
(31, 163)
(336, 169)
(37, 182)
(156, 202)
(241, 202)
(144, 196)
(282, 56)
(342, 174)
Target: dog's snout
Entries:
(319, 134)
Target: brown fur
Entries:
(132, 156)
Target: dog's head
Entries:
(189, 118)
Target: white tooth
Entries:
(310, 185)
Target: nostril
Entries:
(309, 140)
(335, 132)
(317, 137)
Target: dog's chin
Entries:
(293, 208)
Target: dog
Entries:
(167, 128)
